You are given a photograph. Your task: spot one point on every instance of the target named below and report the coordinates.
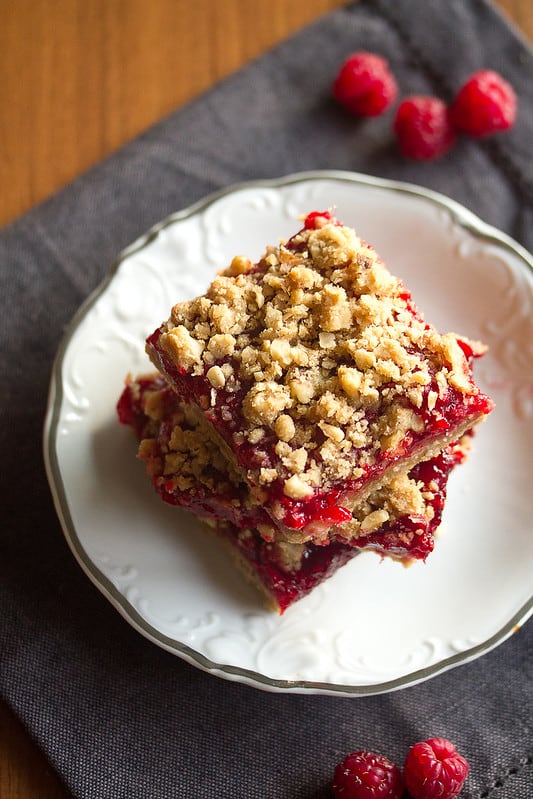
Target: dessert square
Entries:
(317, 378)
(399, 521)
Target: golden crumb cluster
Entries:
(184, 456)
(319, 337)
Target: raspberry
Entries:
(364, 775)
(434, 769)
(364, 84)
(423, 128)
(485, 104)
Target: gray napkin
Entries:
(117, 716)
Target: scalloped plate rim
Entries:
(461, 216)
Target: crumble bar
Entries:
(317, 377)
(186, 471)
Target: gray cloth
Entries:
(117, 716)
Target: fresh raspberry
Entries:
(485, 104)
(434, 769)
(423, 128)
(364, 775)
(364, 84)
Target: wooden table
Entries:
(77, 80)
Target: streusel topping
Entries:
(331, 363)
(177, 447)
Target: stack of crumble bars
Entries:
(306, 411)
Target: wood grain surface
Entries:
(77, 80)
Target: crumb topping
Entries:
(330, 361)
(178, 448)
(404, 496)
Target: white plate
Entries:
(374, 626)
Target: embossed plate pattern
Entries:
(375, 626)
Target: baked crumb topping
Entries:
(404, 496)
(177, 445)
(322, 348)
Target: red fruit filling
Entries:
(286, 586)
(317, 219)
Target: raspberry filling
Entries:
(317, 564)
